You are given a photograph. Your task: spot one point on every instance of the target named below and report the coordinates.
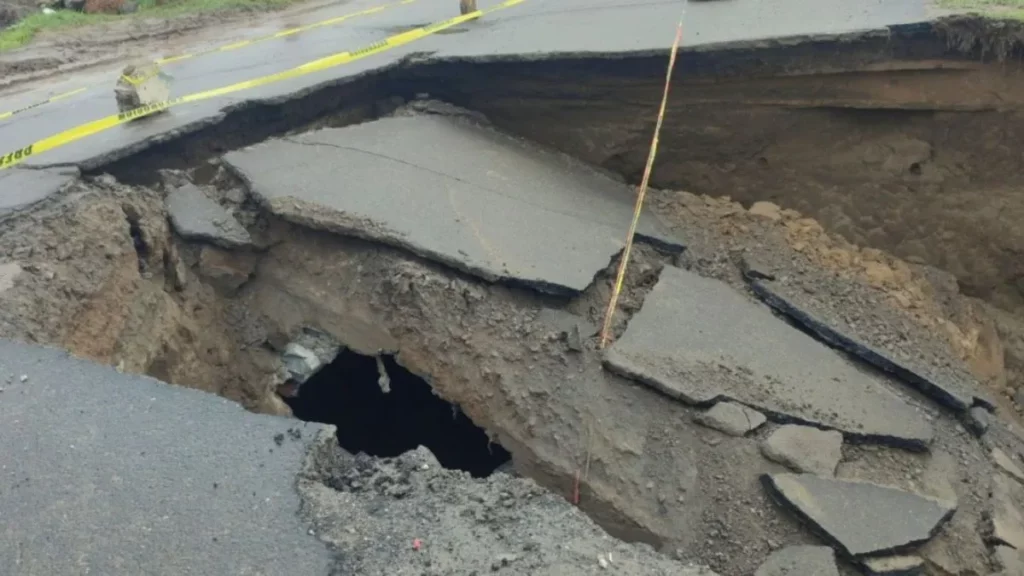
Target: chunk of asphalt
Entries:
(731, 418)
(126, 475)
(22, 188)
(977, 420)
(1006, 518)
(698, 340)
(1006, 464)
(195, 216)
(894, 566)
(860, 518)
(800, 561)
(804, 449)
(1008, 561)
(950, 386)
(455, 192)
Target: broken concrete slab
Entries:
(195, 216)
(154, 479)
(858, 517)
(804, 449)
(946, 383)
(23, 188)
(894, 566)
(1008, 561)
(455, 192)
(1006, 464)
(732, 418)
(1006, 518)
(698, 340)
(798, 560)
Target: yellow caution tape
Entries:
(5, 115)
(135, 80)
(88, 129)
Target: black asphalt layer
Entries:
(698, 340)
(104, 473)
(453, 191)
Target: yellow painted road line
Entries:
(14, 157)
(225, 48)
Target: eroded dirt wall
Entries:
(895, 144)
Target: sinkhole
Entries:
(346, 394)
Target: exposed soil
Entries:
(648, 473)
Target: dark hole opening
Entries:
(915, 169)
(346, 393)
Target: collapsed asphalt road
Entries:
(729, 438)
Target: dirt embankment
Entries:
(135, 295)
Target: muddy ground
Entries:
(115, 43)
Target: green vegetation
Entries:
(23, 32)
(1010, 9)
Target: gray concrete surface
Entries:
(860, 518)
(698, 340)
(800, 560)
(533, 29)
(947, 382)
(103, 473)
(20, 188)
(195, 216)
(452, 191)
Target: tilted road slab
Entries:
(21, 188)
(698, 340)
(937, 374)
(105, 473)
(453, 191)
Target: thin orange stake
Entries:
(620, 277)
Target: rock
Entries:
(1007, 522)
(1006, 464)
(196, 217)
(9, 271)
(799, 561)
(804, 449)
(1018, 396)
(102, 6)
(861, 518)
(767, 210)
(976, 420)
(894, 566)
(301, 362)
(176, 269)
(226, 270)
(573, 339)
(1008, 561)
(732, 418)
(755, 270)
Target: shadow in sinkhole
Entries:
(346, 393)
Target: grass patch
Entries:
(1004, 9)
(23, 32)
